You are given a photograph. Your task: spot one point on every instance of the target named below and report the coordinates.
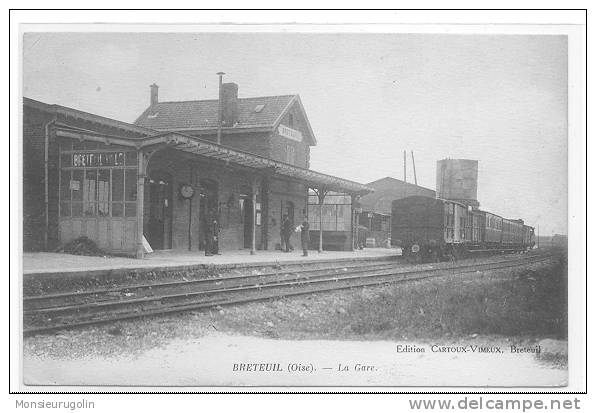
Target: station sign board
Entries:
(97, 159)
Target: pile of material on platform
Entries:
(82, 246)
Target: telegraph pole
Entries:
(405, 166)
(414, 167)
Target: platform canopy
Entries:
(202, 147)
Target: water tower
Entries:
(457, 180)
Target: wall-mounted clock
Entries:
(187, 191)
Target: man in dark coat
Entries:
(305, 236)
(282, 235)
(211, 234)
(287, 227)
(215, 232)
(208, 238)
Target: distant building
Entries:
(549, 241)
(386, 190)
(558, 240)
(375, 218)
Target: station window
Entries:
(462, 227)
(337, 212)
(449, 215)
(258, 214)
(290, 154)
(89, 198)
(377, 223)
(96, 181)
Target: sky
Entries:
(499, 99)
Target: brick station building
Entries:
(245, 159)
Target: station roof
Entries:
(201, 147)
(65, 113)
(145, 137)
(202, 114)
(255, 114)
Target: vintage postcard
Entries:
(293, 205)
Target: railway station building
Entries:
(158, 181)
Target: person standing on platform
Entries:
(208, 235)
(287, 227)
(282, 235)
(305, 236)
(211, 234)
(215, 233)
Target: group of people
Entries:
(286, 231)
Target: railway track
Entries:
(52, 312)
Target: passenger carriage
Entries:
(434, 229)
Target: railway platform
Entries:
(60, 265)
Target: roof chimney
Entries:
(154, 94)
(229, 97)
(220, 75)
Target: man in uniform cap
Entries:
(305, 235)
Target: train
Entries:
(435, 229)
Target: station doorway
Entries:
(289, 211)
(159, 227)
(208, 207)
(246, 212)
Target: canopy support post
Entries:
(253, 240)
(141, 172)
(355, 220)
(321, 195)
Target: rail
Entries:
(52, 312)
